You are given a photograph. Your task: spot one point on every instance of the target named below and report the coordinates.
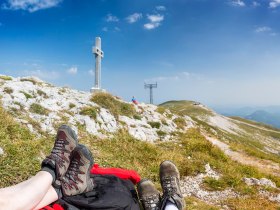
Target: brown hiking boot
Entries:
(148, 194)
(58, 161)
(170, 183)
(77, 178)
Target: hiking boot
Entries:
(148, 194)
(58, 161)
(170, 183)
(77, 178)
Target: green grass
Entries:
(90, 111)
(27, 95)
(38, 109)
(22, 152)
(7, 78)
(180, 122)
(154, 124)
(116, 107)
(34, 82)
(186, 108)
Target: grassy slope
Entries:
(252, 142)
(23, 154)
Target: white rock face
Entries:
(262, 182)
(63, 105)
(192, 186)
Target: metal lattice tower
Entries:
(150, 86)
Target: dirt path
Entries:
(264, 165)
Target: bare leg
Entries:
(29, 194)
(50, 197)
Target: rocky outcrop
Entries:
(41, 106)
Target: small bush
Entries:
(137, 117)
(71, 105)
(38, 109)
(212, 184)
(27, 95)
(154, 124)
(161, 109)
(180, 122)
(8, 90)
(5, 77)
(42, 93)
(115, 106)
(90, 111)
(29, 80)
(161, 133)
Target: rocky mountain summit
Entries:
(223, 161)
(33, 100)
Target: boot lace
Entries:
(169, 184)
(71, 177)
(151, 202)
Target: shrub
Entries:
(90, 111)
(154, 124)
(71, 105)
(29, 80)
(42, 93)
(180, 122)
(161, 109)
(38, 109)
(8, 90)
(161, 133)
(137, 117)
(115, 106)
(3, 77)
(27, 95)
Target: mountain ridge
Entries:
(201, 142)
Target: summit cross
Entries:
(98, 53)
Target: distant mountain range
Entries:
(269, 115)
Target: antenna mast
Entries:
(150, 86)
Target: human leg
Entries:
(28, 194)
(38, 190)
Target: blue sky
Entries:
(218, 52)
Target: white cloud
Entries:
(155, 18)
(47, 75)
(30, 5)
(73, 70)
(238, 3)
(256, 4)
(263, 29)
(150, 26)
(155, 21)
(274, 3)
(105, 29)
(111, 18)
(161, 8)
(134, 17)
